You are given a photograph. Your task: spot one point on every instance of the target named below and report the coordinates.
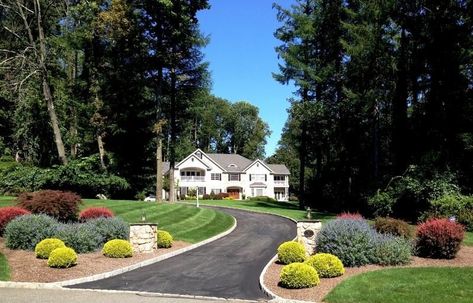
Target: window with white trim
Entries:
(257, 177)
(233, 177)
(259, 192)
(216, 191)
(215, 176)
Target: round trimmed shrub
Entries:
(298, 275)
(24, 232)
(392, 250)
(9, 213)
(117, 249)
(95, 212)
(110, 228)
(164, 239)
(326, 265)
(393, 227)
(291, 252)
(44, 248)
(351, 240)
(82, 238)
(439, 238)
(62, 257)
(61, 205)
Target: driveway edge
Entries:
(57, 285)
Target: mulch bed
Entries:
(316, 294)
(25, 267)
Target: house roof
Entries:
(231, 162)
(279, 169)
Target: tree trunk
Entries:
(159, 168)
(47, 90)
(172, 147)
(73, 127)
(101, 151)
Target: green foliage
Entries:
(458, 206)
(25, 232)
(110, 228)
(290, 252)
(393, 227)
(262, 198)
(326, 265)
(392, 250)
(117, 249)
(62, 258)
(44, 248)
(4, 268)
(164, 239)
(298, 275)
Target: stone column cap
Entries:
(309, 221)
(143, 224)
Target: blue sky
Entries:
(242, 57)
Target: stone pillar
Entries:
(143, 237)
(307, 232)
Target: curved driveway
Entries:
(226, 268)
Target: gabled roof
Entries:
(258, 161)
(230, 162)
(195, 156)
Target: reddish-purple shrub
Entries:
(351, 216)
(439, 238)
(220, 196)
(95, 212)
(392, 226)
(61, 205)
(9, 213)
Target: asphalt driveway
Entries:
(226, 268)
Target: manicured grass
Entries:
(287, 209)
(4, 269)
(400, 285)
(468, 239)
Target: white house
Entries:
(232, 174)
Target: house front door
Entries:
(234, 193)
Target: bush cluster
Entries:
(348, 215)
(164, 239)
(62, 257)
(326, 265)
(298, 275)
(63, 206)
(458, 206)
(82, 238)
(26, 231)
(117, 249)
(44, 248)
(9, 213)
(94, 213)
(291, 252)
(110, 228)
(392, 226)
(262, 198)
(439, 238)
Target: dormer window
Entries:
(232, 165)
(199, 154)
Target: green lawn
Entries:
(184, 222)
(400, 285)
(4, 269)
(287, 209)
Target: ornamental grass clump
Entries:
(351, 240)
(9, 213)
(291, 252)
(326, 265)
(164, 239)
(117, 249)
(24, 232)
(44, 248)
(392, 250)
(63, 257)
(298, 275)
(439, 239)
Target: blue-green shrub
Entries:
(110, 228)
(392, 250)
(25, 232)
(82, 237)
(352, 241)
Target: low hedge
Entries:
(291, 252)
(26, 231)
(298, 275)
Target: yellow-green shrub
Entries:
(299, 275)
(326, 265)
(62, 257)
(117, 249)
(164, 239)
(290, 252)
(44, 248)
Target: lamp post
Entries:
(197, 196)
